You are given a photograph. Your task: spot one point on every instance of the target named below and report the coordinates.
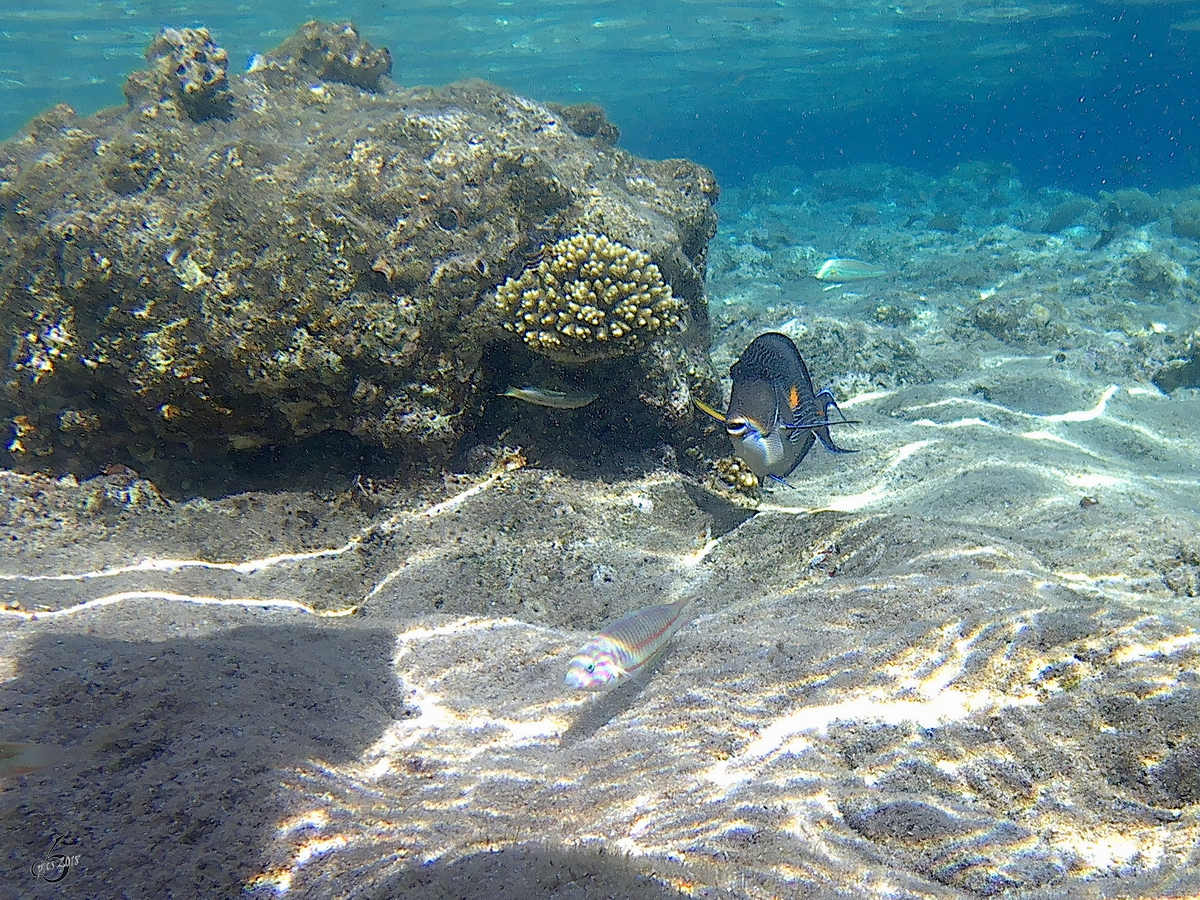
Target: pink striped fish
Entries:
(626, 647)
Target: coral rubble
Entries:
(242, 260)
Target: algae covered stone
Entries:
(1185, 219)
(338, 53)
(239, 260)
(588, 297)
(187, 68)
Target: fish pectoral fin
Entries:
(651, 665)
(708, 410)
(622, 673)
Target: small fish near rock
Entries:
(540, 396)
(626, 648)
(774, 415)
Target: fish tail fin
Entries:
(827, 440)
(826, 399)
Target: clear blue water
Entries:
(960, 662)
(1083, 95)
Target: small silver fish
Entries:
(540, 396)
(625, 647)
(842, 270)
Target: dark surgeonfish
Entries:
(774, 415)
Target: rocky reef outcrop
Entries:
(240, 260)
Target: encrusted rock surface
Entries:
(187, 69)
(237, 261)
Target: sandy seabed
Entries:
(961, 662)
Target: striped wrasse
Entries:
(626, 647)
(843, 270)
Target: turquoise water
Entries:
(959, 662)
(1080, 95)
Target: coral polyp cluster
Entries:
(588, 297)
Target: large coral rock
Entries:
(241, 260)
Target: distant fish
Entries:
(21, 759)
(626, 647)
(540, 396)
(843, 270)
(773, 412)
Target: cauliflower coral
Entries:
(589, 297)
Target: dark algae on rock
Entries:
(236, 261)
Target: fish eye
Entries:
(590, 668)
(737, 427)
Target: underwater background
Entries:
(1081, 95)
(962, 661)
